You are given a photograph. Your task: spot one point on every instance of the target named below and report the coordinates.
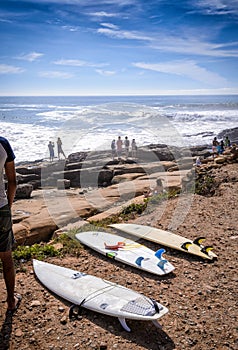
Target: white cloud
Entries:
(105, 72)
(32, 56)
(109, 25)
(71, 62)
(123, 34)
(103, 14)
(187, 68)
(70, 28)
(5, 20)
(55, 74)
(217, 7)
(189, 44)
(78, 63)
(6, 69)
(89, 2)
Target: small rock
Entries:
(18, 333)
(63, 320)
(35, 303)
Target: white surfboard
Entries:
(168, 239)
(127, 251)
(98, 295)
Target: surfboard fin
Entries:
(139, 260)
(161, 263)
(185, 245)
(199, 240)
(122, 321)
(206, 249)
(159, 253)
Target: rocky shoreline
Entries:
(93, 186)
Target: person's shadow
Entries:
(5, 333)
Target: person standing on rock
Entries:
(133, 148)
(113, 148)
(119, 147)
(215, 145)
(59, 147)
(227, 142)
(51, 150)
(7, 240)
(127, 145)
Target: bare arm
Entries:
(12, 182)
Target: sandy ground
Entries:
(201, 295)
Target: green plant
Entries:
(156, 199)
(134, 208)
(37, 251)
(205, 186)
(43, 250)
(69, 244)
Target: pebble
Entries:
(18, 333)
(35, 303)
(63, 320)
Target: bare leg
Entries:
(9, 277)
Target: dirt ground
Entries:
(201, 296)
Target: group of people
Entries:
(119, 145)
(219, 146)
(60, 151)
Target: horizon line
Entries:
(126, 95)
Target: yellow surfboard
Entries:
(168, 239)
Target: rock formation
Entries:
(92, 186)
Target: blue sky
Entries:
(118, 47)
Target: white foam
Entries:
(85, 128)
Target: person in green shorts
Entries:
(7, 165)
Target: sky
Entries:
(118, 47)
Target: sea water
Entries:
(89, 123)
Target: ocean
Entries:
(89, 123)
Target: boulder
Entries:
(125, 177)
(38, 228)
(63, 184)
(28, 170)
(20, 233)
(220, 160)
(23, 191)
(115, 210)
(21, 179)
(77, 157)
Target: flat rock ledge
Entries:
(91, 187)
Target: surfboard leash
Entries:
(75, 311)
